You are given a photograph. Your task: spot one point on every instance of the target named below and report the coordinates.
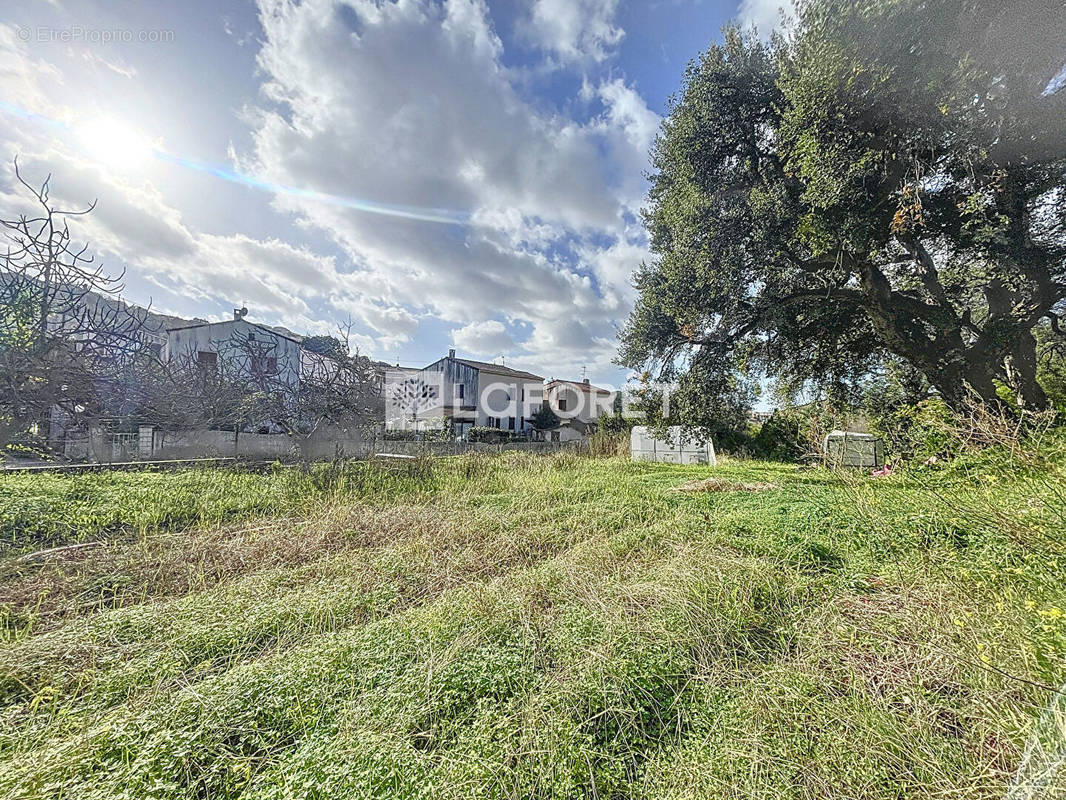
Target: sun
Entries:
(114, 143)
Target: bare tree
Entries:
(249, 382)
(67, 340)
(344, 390)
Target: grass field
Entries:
(520, 626)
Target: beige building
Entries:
(578, 404)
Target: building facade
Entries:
(578, 400)
(578, 405)
(461, 394)
(239, 350)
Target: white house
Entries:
(578, 404)
(578, 400)
(239, 349)
(468, 393)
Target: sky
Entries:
(463, 173)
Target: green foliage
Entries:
(545, 418)
(613, 422)
(325, 345)
(520, 626)
(721, 414)
(1052, 372)
(18, 321)
(780, 438)
(495, 435)
(608, 444)
(50, 509)
(850, 195)
(798, 433)
(917, 432)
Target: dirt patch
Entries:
(720, 485)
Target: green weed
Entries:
(518, 626)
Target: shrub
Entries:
(545, 418)
(613, 423)
(797, 434)
(917, 432)
(495, 435)
(780, 438)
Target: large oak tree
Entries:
(886, 182)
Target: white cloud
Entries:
(22, 76)
(628, 128)
(614, 267)
(764, 14)
(627, 111)
(134, 228)
(489, 338)
(393, 325)
(117, 66)
(404, 103)
(574, 30)
(562, 348)
(414, 108)
(407, 104)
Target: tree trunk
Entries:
(961, 385)
(963, 373)
(1023, 360)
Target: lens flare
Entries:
(111, 142)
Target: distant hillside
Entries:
(158, 322)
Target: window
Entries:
(459, 388)
(205, 359)
(510, 423)
(490, 422)
(562, 404)
(264, 365)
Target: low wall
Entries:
(674, 449)
(100, 447)
(322, 445)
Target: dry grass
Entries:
(721, 485)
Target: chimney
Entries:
(451, 353)
(585, 381)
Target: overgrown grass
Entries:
(53, 508)
(519, 626)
